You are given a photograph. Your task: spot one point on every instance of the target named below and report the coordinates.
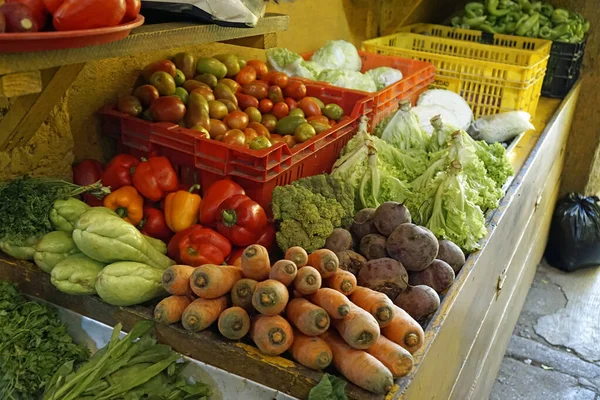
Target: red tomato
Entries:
(291, 103)
(245, 76)
(289, 140)
(259, 66)
(277, 78)
(245, 101)
(275, 94)
(250, 134)
(260, 129)
(74, 15)
(237, 120)
(281, 110)
(265, 106)
(217, 128)
(319, 118)
(37, 8)
(146, 94)
(275, 138)
(234, 136)
(52, 5)
(167, 109)
(310, 107)
(132, 10)
(18, 18)
(296, 90)
(257, 89)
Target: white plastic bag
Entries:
(241, 12)
(501, 127)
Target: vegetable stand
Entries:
(466, 339)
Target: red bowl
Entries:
(40, 41)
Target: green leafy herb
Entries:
(33, 344)
(329, 388)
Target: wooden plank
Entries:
(20, 84)
(266, 41)
(146, 38)
(26, 116)
(208, 346)
(441, 358)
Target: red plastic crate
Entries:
(416, 78)
(205, 161)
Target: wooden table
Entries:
(467, 337)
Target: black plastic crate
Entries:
(563, 68)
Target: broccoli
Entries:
(304, 218)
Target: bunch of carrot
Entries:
(290, 306)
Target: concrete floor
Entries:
(554, 353)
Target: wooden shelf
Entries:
(146, 38)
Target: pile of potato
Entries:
(405, 261)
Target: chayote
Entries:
(65, 213)
(52, 249)
(157, 244)
(107, 238)
(76, 274)
(24, 251)
(127, 283)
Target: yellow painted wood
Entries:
(20, 84)
(146, 38)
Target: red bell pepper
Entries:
(74, 15)
(155, 178)
(173, 246)
(85, 173)
(52, 5)
(199, 246)
(235, 258)
(267, 239)
(214, 196)
(119, 170)
(132, 10)
(242, 220)
(154, 224)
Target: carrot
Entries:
(170, 309)
(397, 359)
(404, 331)
(308, 280)
(255, 262)
(272, 335)
(241, 293)
(210, 281)
(342, 281)
(325, 261)
(270, 297)
(176, 279)
(298, 255)
(234, 323)
(284, 271)
(357, 366)
(336, 304)
(378, 304)
(310, 319)
(201, 313)
(311, 351)
(359, 328)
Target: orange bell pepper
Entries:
(182, 208)
(127, 203)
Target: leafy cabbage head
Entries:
(384, 76)
(348, 79)
(338, 54)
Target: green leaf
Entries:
(329, 388)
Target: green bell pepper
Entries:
(547, 10)
(528, 25)
(52, 249)
(22, 251)
(560, 16)
(473, 23)
(76, 274)
(474, 9)
(492, 8)
(64, 213)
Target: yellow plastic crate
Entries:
(492, 72)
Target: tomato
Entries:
(37, 8)
(275, 138)
(310, 107)
(260, 143)
(130, 105)
(205, 92)
(245, 101)
(304, 132)
(333, 111)
(164, 83)
(200, 132)
(260, 129)
(162, 65)
(297, 112)
(237, 120)
(231, 84)
(217, 128)
(18, 18)
(167, 109)
(275, 94)
(281, 110)
(292, 104)
(320, 118)
(289, 140)
(246, 75)
(295, 90)
(319, 126)
(253, 114)
(269, 121)
(277, 78)
(217, 110)
(234, 136)
(250, 134)
(132, 9)
(257, 89)
(74, 15)
(259, 66)
(265, 106)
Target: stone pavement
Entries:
(554, 353)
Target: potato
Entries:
(351, 261)
(414, 246)
(363, 224)
(385, 275)
(372, 246)
(389, 215)
(339, 240)
(438, 276)
(452, 254)
(418, 301)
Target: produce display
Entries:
(533, 18)
(19, 16)
(231, 100)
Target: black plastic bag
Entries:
(574, 240)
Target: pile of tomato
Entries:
(231, 100)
